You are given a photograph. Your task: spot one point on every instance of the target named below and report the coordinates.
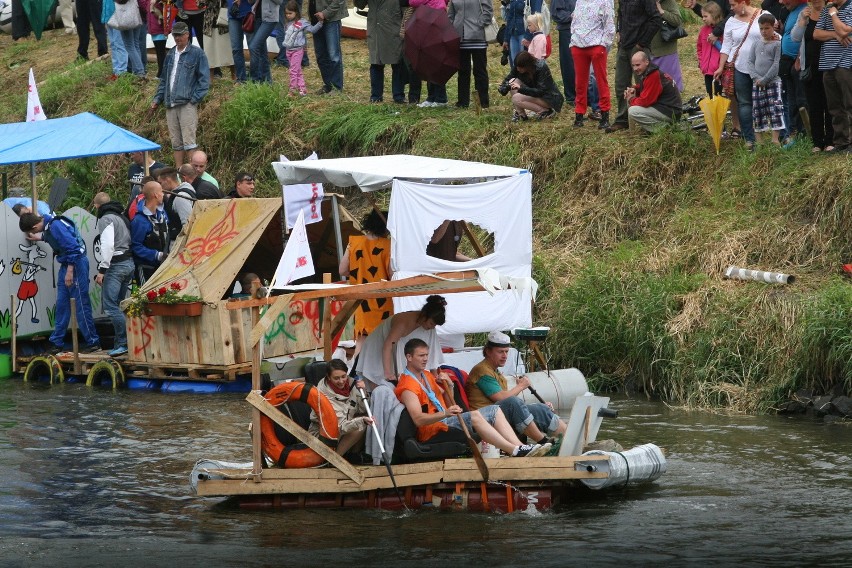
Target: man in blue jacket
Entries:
(149, 232)
(184, 82)
(73, 278)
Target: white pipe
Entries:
(737, 273)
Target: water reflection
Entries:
(94, 476)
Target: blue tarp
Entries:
(76, 136)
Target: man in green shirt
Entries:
(486, 385)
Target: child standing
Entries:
(294, 42)
(537, 46)
(708, 53)
(763, 60)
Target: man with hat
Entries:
(184, 82)
(486, 385)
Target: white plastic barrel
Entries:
(560, 387)
(636, 465)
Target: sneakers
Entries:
(540, 450)
(324, 90)
(94, 347)
(53, 350)
(579, 120)
(546, 114)
(118, 351)
(615, 127)
(594, 115)
(519, 116)
(426, 104)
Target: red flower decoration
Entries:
(162, 291)
(175, 286)
(151, 295)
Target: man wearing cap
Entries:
(183, 83)
(243, 186)
(72, 280)
(486, 385)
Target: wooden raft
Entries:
(549, 470)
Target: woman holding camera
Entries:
(532, 87)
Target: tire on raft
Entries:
(43, 363)
(298, 455)
(105, 372)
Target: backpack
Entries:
(549, 49)
(70, 224)
(175, 224)
(134, 206)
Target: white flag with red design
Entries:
(34, 110)
(296, 262)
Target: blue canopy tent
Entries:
(78, 136)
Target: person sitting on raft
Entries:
(419, 391)
(348, 405)
(486, 385)
(376, 360)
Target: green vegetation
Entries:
(632, 234)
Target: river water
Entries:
(96, 478)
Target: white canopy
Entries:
(371, 173)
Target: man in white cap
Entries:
(486, 385)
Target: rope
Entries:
(626, 463)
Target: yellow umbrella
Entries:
(715, 109)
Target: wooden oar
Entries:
(474, 447)
(381, 447)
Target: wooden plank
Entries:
(339, 321)
(265, 322)
(525, 463)
(326, 322)
(302, 435)
(473, 240)
(552, 474)
(256, 450)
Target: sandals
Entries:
(816, 149)
(735, 133)
(829, 149)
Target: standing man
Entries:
(327, 42)
(638, 21)
(199, 162)
(835, 61)
(203, 188)
(243, 186)
(184, 83)
(385, 46)
(562, 13)
(73, 277)
(115, 271)
(149, 232)
(179, 201)
(89, 13)
(136, 172)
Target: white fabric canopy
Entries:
(502, 207)
(377, 172)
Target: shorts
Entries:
(183, 122)
(488, 412)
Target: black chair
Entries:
(410, 450)
(315, 371)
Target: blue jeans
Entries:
(79, 290)
(119, 54)
(134, 61)
(236, 33)
(377, 83)
(141, 39)
(329, 57)
(117, 279)
(515, 48)
(566, 66)
(520, 415)
(593, 95)
(488, 412)
(259, 64)
(742, 86)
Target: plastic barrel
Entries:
(5, 365)
(560, 387)
(636, 465)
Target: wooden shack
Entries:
(222, 240)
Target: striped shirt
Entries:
(834, 55)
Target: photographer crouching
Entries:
(532, 88)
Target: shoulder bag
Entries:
(490, 29)
(248, 19)
(727, 78)
(670, 33)
(126, 16)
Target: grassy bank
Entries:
(632, 234)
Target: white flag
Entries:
(306, 197)
(34, 111)
(296, 262)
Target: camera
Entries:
(503, 88)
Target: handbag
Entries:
(491, 29)
(727, 78)
(805, 74)
(248, 19)
(125, 17)
(671, 33)
(406, 15)
(222, 19)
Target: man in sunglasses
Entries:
(243, 186)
